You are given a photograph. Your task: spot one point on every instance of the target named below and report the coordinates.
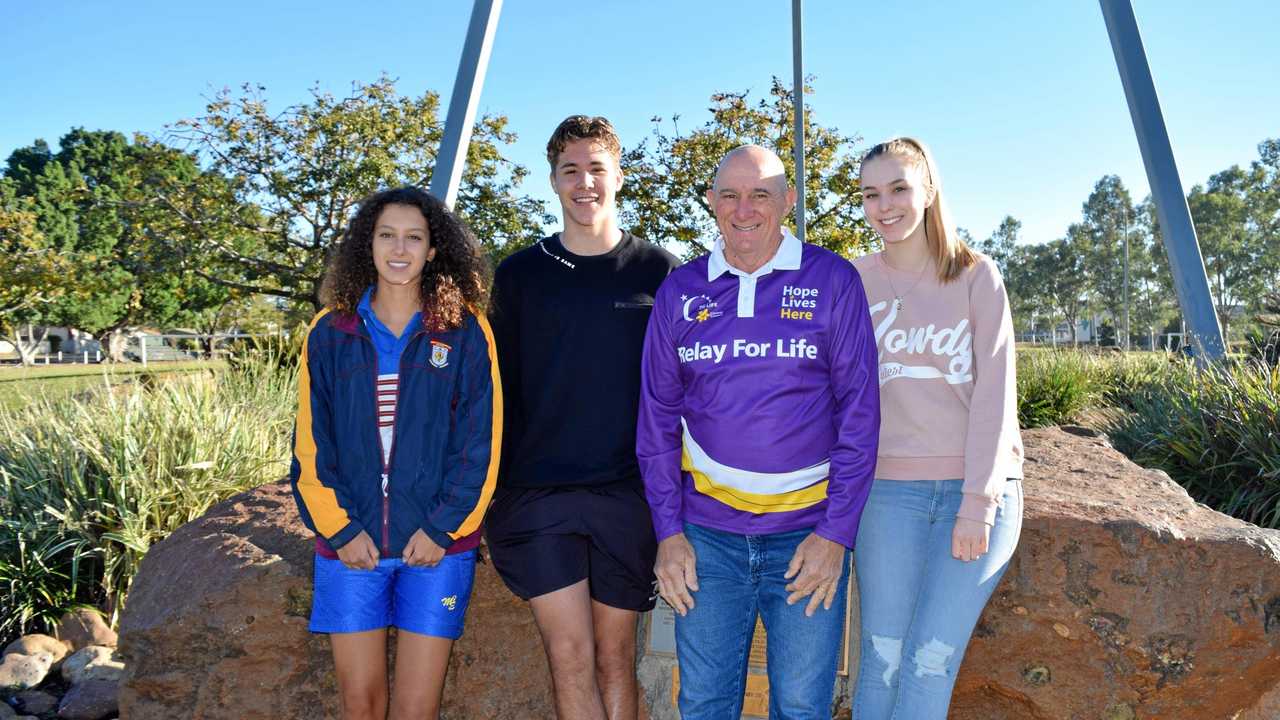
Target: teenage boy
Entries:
(569, 529)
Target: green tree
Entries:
(664, 198)
(1232, 247)
(293, 179)
(1002, 246)
(34, 275)
(1059, 270)
(1107, 219)
(1021, 283)
(90, 201)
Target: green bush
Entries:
(1217, 432)
(1054, 387)
(89, 483)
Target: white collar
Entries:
(787, 257)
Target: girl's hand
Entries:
(422, 550)
(360, 553)
(969, 539)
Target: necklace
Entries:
(897, 296)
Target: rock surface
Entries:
(36, 702)
(24, 671)
(216, 627)
(36, 643)
(90, 700)
(92, 662)
(1126, 599)
(83, 627)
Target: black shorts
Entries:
(545, 539)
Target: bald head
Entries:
(750, 198)
(752, 161)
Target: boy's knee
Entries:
(615, 661)
(364, 705)
(571, 654)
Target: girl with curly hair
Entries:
(396, 447)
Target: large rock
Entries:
(216, 627)
(92, 662)
(83, 627)
(20, 672)
(90, 700)
(36, 702)
(1126, 599)
(36, 643)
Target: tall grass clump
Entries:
(1054, 387)
(1216, 432)
(89, 483)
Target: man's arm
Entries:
(855, 387)
(658, 450)
(818, 562)
(658, 425)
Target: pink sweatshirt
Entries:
(948, 400)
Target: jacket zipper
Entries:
(384, 453)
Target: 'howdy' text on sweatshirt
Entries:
(948, 399)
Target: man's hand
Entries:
(422, 550)
(676, 569)
(816, 567)
(360, 553)
(969, 539)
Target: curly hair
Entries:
(455, 282)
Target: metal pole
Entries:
(1179, 234)
(797, 65)
(1126, 278)
(452, 157)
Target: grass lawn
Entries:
(19, 385)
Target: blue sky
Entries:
(1020, 101)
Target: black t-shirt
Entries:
(569, 332)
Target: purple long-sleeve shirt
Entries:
(759, 404)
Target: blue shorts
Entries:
(425, 600)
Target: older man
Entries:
(759, 417)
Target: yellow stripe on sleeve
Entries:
(472, 521)
(322, 503)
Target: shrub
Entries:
(89, 483)
(1216, 432)
(1054, 387)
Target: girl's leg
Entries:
(951, 600)
(430, 606)
(354, 608)
(360, 662)
(421, 664)
(889, 559)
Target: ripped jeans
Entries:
(919, 605)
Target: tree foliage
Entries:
(93, 223)
(664, 198)
(34, 276)
(288, 181)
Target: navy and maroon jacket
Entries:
(444, 459)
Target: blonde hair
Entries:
(949, 251)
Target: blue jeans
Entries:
(740, 577)
(919, 605)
